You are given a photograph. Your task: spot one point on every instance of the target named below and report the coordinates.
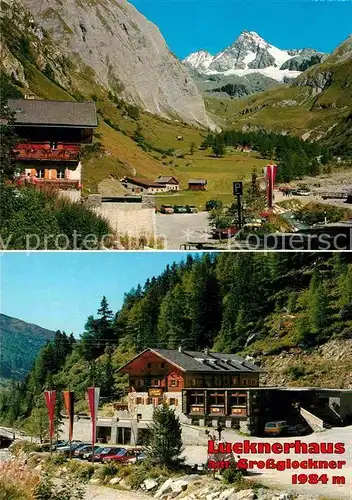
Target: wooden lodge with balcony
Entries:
(51, 135)
(199, 384)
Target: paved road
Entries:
(176, 229)
(283, 479)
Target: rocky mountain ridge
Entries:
(251, 53)
(107, 44)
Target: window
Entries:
(197, 398)
(149, 401)
(149, 365)
(139, 401)
(173, 401)
(53, 144)
(60, 173)
(194, 382)
(40, 173)
(174, 382)
(147, 382)
(162, 365)
(217, 399)
(139, 383)
(234, 381)
(244, 381)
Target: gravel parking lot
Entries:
(176, 229)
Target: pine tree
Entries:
(164, 444)
(174, 321)
(205, 305)
(98, 332)
(192, 148)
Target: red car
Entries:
(123, 456)
(227, 232)
(105, 452)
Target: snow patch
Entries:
(271, 72)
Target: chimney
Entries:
(180, 348)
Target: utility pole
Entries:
(238, 191)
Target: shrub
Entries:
(17, 480)
(58, 459)
(85, 473)
(132, 111)
(10, 491)
(232, 475)
(46, 490)
(107, 470)
(296, 371)
(23, 447)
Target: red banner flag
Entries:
(69, 405)
(50, 401)
(93, 400)
(270, 176)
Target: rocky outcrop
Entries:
(120, 50)
(318, 81)
(11, 65)
(262, 60)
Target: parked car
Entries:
(302, 192)
(180, 209)
(63, 444)
(224, 233)
(65, 450)
(105, 452)
(81, 451)
(276, 428)
(191, 209)
(130, 456)
(88, 454)
(166, 209)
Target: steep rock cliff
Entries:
(122, 50)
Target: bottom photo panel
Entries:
(217, 376)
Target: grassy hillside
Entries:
(20, 344)
(166, 155)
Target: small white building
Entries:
(169, 182)
(137, 186)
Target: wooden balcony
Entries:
(58, 183)
(42, 151)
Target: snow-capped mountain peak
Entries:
(249, 53)
(252, 37)
(201, 59)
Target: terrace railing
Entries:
(42, 151)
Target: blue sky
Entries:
(190, 25)
(60, 290)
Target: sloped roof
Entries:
(138, 181)
(194, 361)
(197, 181)
(54, 113)
(163, 179)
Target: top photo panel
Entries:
(176, 125)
